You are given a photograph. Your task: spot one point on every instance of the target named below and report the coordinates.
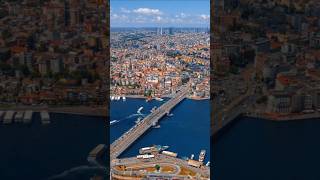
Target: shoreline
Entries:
(283, 118)
(73, 110)
(164, 96)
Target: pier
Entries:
(122, 143)
(8, 117)
(19, 116)
(45, 118)
(133, 165)
(27, 117)
(97, 152)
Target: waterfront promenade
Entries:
(122, 143)
(177, 164)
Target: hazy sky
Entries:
(156, 13)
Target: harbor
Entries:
(98, 111)
(179, 140)
(169, 165)
(45, 118)
(25, 117)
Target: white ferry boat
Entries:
(138, 120)
(153, 109)
(202, 155)
(139, 110)
(208, 163)
(192, 156)
(158, 99)
(112, 122)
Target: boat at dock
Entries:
(153, 109)
(138, 120)
(158, 99)
(153, 149)
(124, 98)
(157, 126)
(169, 153)
(1, 114)
(148, 99)
(202, 155)
(169, 114)
(8, 117)
(27, 117)
(192, 156)
(139, 110)
(45, 117)
(19, 116)
(112, 98)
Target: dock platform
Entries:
(27, 117)
(8, 117)
(45, 117)
(97, 152)
(19, 116)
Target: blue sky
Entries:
(157, 13)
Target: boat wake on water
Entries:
(128, 117)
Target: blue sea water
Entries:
(186, 132)
(37, 151)
(254, 149)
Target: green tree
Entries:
(157, 166)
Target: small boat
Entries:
(153, 109)
(148, 99)
(139, 110)
(192, 156)
(112, 122)
(202, 155)
(112, 98)
(169, 114)
(208, 163)
(123, 98)
(138, 120)
(152, 149)
(157, 126)
(158, 99)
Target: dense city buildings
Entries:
(160, 54)
(155, 62)
(53, 52)
(265, 59)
